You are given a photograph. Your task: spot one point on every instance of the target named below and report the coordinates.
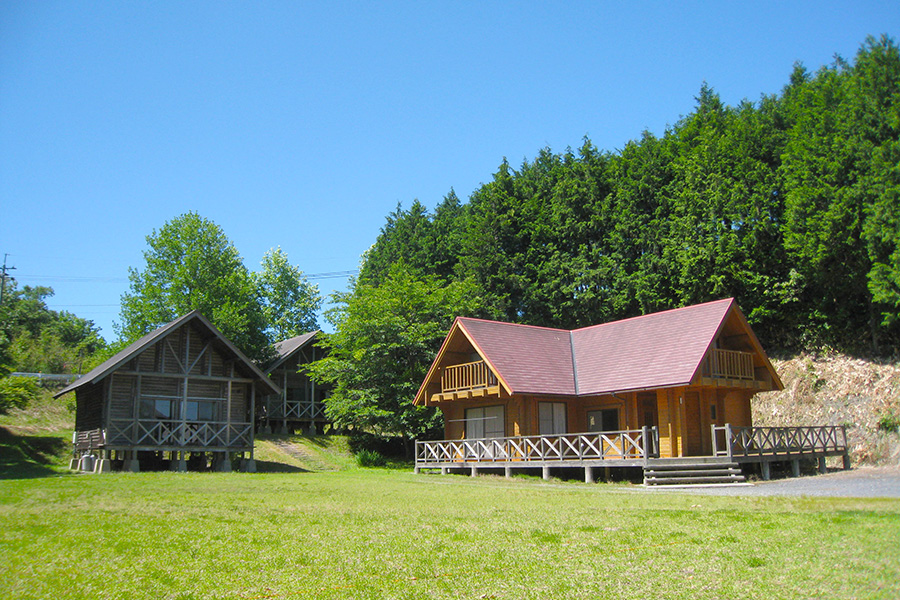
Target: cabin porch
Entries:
(734, 447)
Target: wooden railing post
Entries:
(729, 441)
(645, 435)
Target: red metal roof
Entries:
(656, 350)
(529, 360)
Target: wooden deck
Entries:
(167, 435)
(632, 448)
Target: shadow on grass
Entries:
(30, 456)
(268, 466)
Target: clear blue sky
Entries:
(303, 124)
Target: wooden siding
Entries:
(89, 408)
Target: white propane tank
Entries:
(87, 462)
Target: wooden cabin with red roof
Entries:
(673, 384)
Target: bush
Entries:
(17, 392)
(370, 458)
(889, 422)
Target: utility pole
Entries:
(3, 277)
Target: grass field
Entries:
(316, 526)
(378, 533)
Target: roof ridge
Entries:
(574, 361)
(514, 324)
(654, 314)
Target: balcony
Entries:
(730, 368)
(468, 380)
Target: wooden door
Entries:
(694, 441)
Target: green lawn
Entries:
(356, 533)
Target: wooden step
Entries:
(692, 472)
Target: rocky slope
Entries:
(835, 389)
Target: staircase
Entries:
(701, 470)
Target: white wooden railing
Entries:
(611, 445)
(203, 434)
(768, 441)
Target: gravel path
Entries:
(862, 482)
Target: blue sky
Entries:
(303, 124)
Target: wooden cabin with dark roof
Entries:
(181, 394)
(301, 403)
(670, 385)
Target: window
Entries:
(603, 420)
(712, 412)
(486, 422)
(156, 408)
(200, 410)
(551, 418)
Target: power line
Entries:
(96, 279)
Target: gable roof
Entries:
(657, 350)
(287, 348)
(113, 363)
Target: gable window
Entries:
(603, 420)
(551, 418)
(485, 422)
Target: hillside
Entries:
(835, 389)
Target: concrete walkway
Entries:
(862, 482)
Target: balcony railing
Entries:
(632, 444)
(773, 441)
(301, 411)
(729, 364)
(179, 434)
(467, 376)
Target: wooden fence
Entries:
(634, 444)
(773, 441)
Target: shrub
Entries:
(889, 422)
(17, 392)
(370, 458)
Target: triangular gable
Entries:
(285, 349)
(456, 332)
(135, 348)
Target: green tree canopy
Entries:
(192, 265)
(384, 341)
(289, 301)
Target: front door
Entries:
(694, 442)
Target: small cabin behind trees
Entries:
(301, 403)
(670, 385)
(181, 393)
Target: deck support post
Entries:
(222, 463)
(795, 467)
(766, 471)
(416, 470)
(178, 464)
(846, 460)
(444, 470)
(545, 473)
(823, 468)
(132, 464)
(473, 471)
(507, 471)
(589, 474)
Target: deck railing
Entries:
(467, 376)
(771, 441)
(631, 444)
(179, 434)
(729, 364)
(301, 411)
